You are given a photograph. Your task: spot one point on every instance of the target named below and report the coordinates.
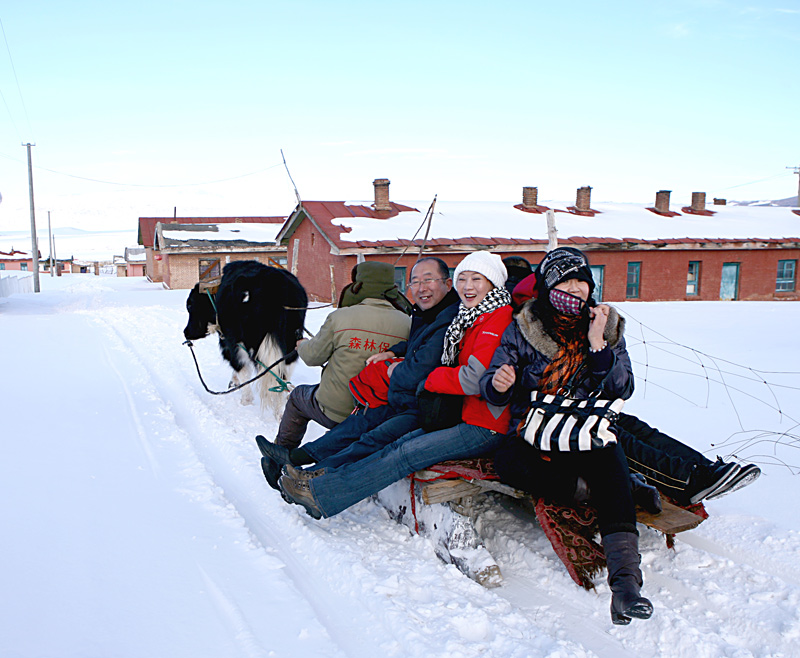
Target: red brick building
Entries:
(673, 253)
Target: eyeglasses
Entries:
(416, 283)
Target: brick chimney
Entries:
(662, 200)
(382, 194)
(698, 201)
(530, 197)
(720, 202)
(584, 200)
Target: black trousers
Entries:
(665, 462)
(554, 476)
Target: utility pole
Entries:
(33, 225)
(50, 242)
(552, 232)
(797, 171)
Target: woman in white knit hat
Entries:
(469, 344)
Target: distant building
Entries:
(132, 263)
(16, 260)
(180, 251)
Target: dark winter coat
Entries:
(529, 349)
(422, 351)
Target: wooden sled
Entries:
(439, 502)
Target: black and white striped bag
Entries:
(557, 423)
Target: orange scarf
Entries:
(569, 332)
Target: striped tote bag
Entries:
(557, 423)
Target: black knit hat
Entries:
(562, 264)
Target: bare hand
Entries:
(598, 318)
(391, 368)
(301, 340)
(381, 356)
(504, 378)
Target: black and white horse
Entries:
(258, 312)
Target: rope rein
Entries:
(280, 388)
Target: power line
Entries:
(106, 182)
(722, 189)
(10, 116)
(19, 89)
(796, 170)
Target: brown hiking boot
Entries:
(301, 474)
(298, 492)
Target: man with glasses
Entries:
(369, 430)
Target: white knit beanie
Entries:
(482, 262)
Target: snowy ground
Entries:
(136, 520)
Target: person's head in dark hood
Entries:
(564, 283)
(373, 280)
(518, 268)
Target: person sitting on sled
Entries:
(371, 311)
(677, 470)
(373, 426)
(470, 341)
(563, 341)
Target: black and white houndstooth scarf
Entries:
(495, 298)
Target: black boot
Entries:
(644, 495)
(277, 453)
(625, 578)
(272, 471)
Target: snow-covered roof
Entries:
(135, 255)
(147, 225)
(190, 234)
(455, 220)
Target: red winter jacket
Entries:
(477, 347)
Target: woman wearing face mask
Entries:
(562, 340)
(469, 343)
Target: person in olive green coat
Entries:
(372, 315)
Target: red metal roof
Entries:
(324, 212)
(147, 225)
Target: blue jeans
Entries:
(347, 432)
(374, 440)
(339, 488)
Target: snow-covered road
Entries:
(136, 520)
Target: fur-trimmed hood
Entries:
(531, 327)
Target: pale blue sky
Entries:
(467, 100)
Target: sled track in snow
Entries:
(275, 539)
(209, 427)
(219, 432)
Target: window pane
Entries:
(693, 278)
(400, 278)
(209, 269)
(597, 275)
(632, 289)
(786, 275)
